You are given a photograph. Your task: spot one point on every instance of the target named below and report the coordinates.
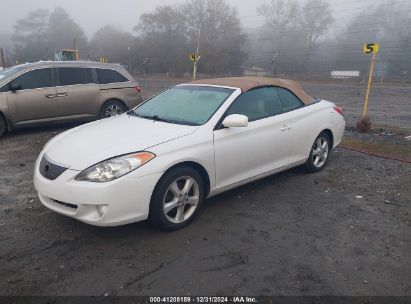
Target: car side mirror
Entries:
(15, 87)
(235, 121)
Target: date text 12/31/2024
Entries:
(188, 299)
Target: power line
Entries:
(341, 10)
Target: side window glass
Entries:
(72, 76)
(288, 100)
(106, 76)
(34, 79)
(257, 104)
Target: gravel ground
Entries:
(343, 231)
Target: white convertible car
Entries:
(161, 160)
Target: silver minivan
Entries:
(48, 92)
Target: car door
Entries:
(263, 146)
(77, 92)
(302, 122)
(35, 97)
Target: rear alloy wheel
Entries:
(2, 125)
(177, 199)
(112, 108)
(319, 154)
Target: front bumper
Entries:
(122, 201)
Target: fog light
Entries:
(101, 210)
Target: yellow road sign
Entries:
(371, 48)
(194, 57)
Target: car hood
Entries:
(84, 146)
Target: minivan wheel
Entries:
(177, 199)
(2, 125)
(112, 108)
(319, 154)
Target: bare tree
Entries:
(39, 34)
(64, 32)
(164, 19)
(113, 44)
(170, 33)
(217, 26)
(164, 44)
(395, 32)
(316, 17)
(30, 36)
(281, 16)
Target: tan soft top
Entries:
(249, 83)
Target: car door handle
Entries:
(62, 94)
(51, 95)
(285, 128)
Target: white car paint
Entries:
(230, 156)
(111, 137)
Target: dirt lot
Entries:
(344, 231)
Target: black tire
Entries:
(312, 165)
(3, 125)
(163, 193)
(112, 108)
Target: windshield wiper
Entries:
(132, 113)
(157, 118)
(153, 117)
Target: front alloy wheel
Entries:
(177, 198)
(181, 199)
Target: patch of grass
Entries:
(395, 151)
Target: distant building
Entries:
(345, 74)
(255, 71)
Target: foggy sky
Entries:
(93, 14)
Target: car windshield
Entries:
(10, 71)
(188, 105)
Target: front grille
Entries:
(50, 170)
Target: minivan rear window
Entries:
(106, 76)
(73, 76)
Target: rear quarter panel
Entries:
(309, 122)
(124, 92)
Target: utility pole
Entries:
(74, 43)
(3, 62)
(129, 58)
(274, 61)
(278, 63)
(197, 56)
(279, 44)
(144, 69)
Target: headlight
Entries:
(113, 168)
